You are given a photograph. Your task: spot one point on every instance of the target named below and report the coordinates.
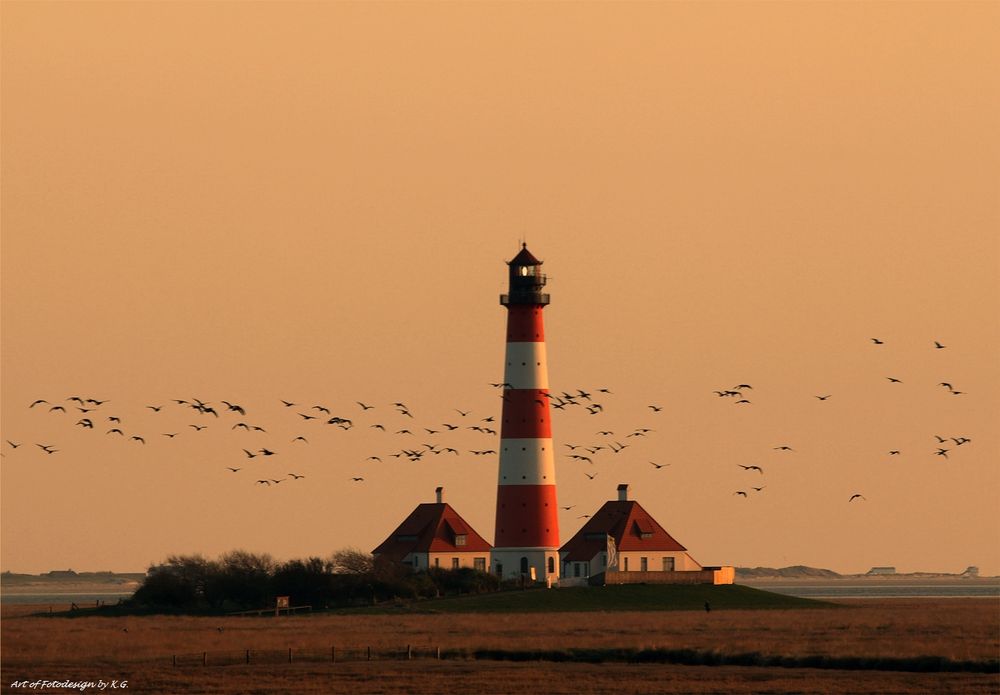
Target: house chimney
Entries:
(623, 492)
(440, 494)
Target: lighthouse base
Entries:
(527, 564)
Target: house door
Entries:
(524, 565)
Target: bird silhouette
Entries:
(783, 448)
(288, 404)
(321, 409)
(877, 341)
(857, 495)
(655, 408)
(170, 435)
(266, 452)
(942, 452)
(758, 489)
(235, 408)
(155, 408)
(823, 398)
(38, 402)
(947, 385)
(569, 507)
(939, 346)
(115, 430)
(894, 452)
(57, 407)
(86, 423)
(363, 406)
(13, 445)
(241, 424)
(198, 428)
(751, 468)
(296, 476)
(658, 466)
(112, 418)
(234, 470)
(263, 482)
(894, 380)
(358, 480)
(462, 413)
(249, 453)
(300, 438)
(583, 516)
(591, 476)
(740, 492)
(137, 438)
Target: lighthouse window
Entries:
(523, 271)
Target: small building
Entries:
(623, 543)
(881, 570)
(435, 535)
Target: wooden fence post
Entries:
(248, 656)
(175, 659)
(409, 653)
(369, 653)
(204, 658)
(439, 653)
(289, 655)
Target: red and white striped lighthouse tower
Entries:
(527, 528)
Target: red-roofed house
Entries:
(434, 535)
(622, 538)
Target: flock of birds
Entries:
(417, 442)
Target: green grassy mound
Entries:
(628, 597)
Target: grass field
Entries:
(100, 648)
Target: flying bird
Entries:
(86, 423)
(877, 341)
(266, 452)
(894, 380)
(249, 453)
(13, 445)
(137, 438)
(823, 398)
(894, 452)
(658, 466)
(235, 408)
(751, 468)
(300, 438)
(655, 408)
(740, 492)
(783, 448)
(363, 406)
(38, 402)
(57, 407)
(155, 408)
(198, 428)
(234, 470)
(295, 476)
(358, 480)
(938, 345)
(288, 404)
(569, 507)
(115, 430)
(857, 495)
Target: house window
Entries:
(626, 564)
(460, 539)
(643, 564)
(552, 565)
(454, 563)
(479, 564)
(437, 562)
(668, 564)
(576, 569)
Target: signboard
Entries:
(283, 602)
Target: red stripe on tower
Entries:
(527, 524)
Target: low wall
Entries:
(707, 575)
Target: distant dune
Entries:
(804, 572)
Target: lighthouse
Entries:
(527, 525)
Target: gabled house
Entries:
(435, 535)
(623, 538)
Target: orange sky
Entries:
(314, 202)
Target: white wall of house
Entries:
(447, 561)
(634, 561)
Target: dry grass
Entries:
(957, 629)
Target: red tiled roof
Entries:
(524, 257)
(431, 528)
(626, 522)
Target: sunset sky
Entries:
(315, 202)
